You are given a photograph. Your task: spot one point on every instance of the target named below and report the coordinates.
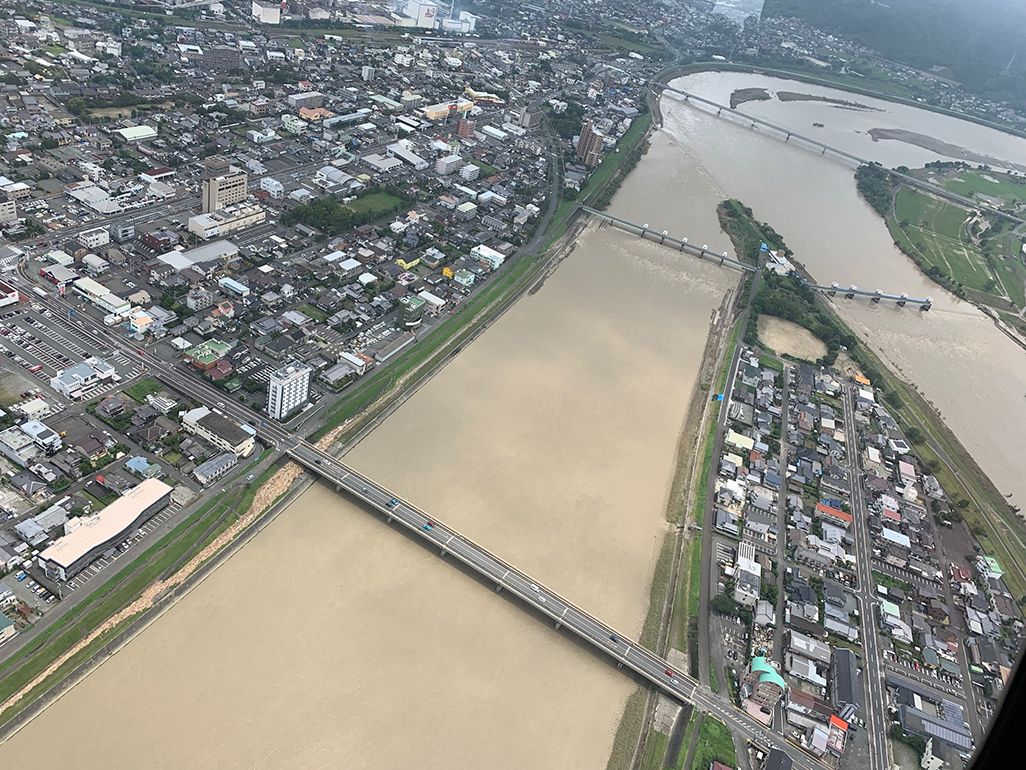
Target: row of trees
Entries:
(790, 298)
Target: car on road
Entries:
(392, 502)
(428, 525)
(614, 638)
(318, 462)
(669, 672)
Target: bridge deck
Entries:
(678, 243)
(909, 180)
(611, 642)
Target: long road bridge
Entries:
(825, 148)
(850, 292)
(681, 244)
(620, 647)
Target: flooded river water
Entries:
(331, 641)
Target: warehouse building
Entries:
(87, 537)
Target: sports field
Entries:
(988, 184)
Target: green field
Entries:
(988, 184)
(627, 44)
(140, 389)
(715, 744)
(934, 229)
(374, 204)
(486, 169)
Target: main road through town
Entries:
(872, 674)
(451, 544)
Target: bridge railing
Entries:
(501, 566)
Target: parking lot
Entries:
(120, 550)
(28, 590)
(41, 344)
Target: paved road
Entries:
(874, 695)
(782, 520)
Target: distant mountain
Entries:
(981, 42)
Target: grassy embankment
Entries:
(604, 180)
(158, 561)
(715, 744)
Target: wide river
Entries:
(331, 641)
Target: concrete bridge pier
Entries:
(849, 295)
(876, 300)
(901, 303)
(924, 307)
(787, 138)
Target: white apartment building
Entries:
(217, 224)
(288, 390)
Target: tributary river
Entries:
(332, 641)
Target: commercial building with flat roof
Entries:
(74, 380)
(213, 469)
(89, 536)
(220, 431)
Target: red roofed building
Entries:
(844, 519)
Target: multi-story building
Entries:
(272, 187)
(293, 124)
(529, 119)
(95, 238)
(448, 164)
(222, 191)
(589, 145)
(288, 390)
(224, 221)
(308, 99)
(265, 12)
(465, 128)
(219, 431)
(8, 211)
(747, 575)
(763, 684)
(17, 446)
(221, 58)
(367, 73)
(122, 232)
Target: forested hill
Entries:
(976, 39)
